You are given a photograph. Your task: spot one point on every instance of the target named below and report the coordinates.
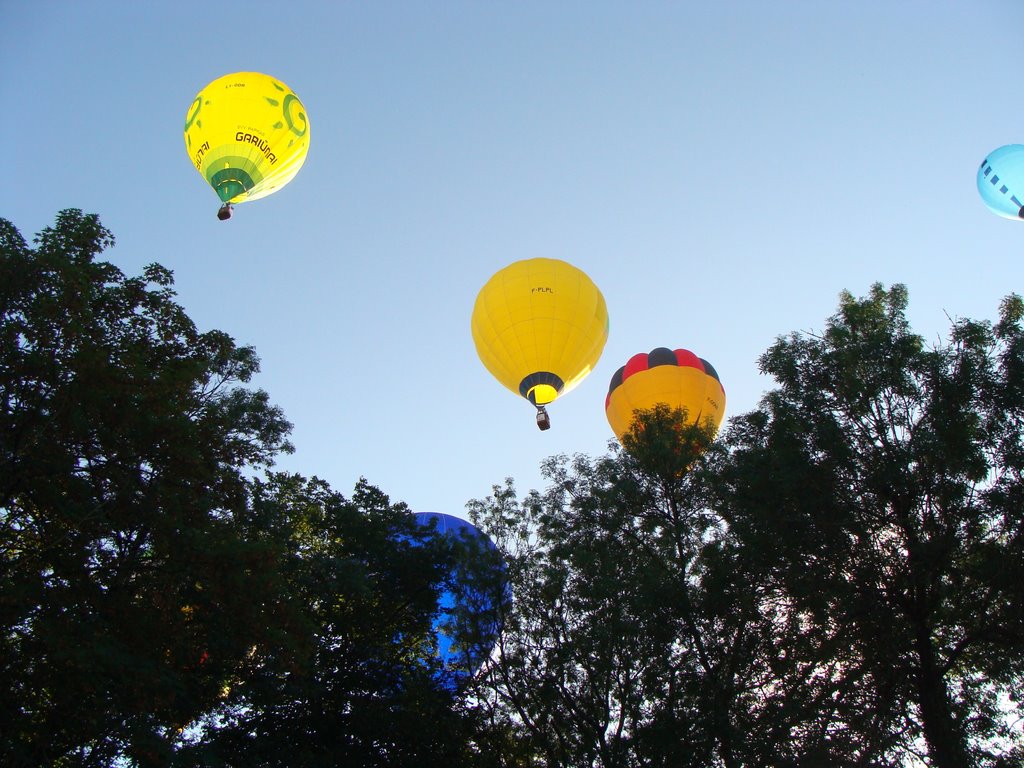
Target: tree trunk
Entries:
(947, 746)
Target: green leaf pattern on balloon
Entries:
(193, 114)
(293, 121)
(297, 122)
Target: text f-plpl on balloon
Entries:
(677, 378)
(539, 326)
(1001, 181)
(247, 134)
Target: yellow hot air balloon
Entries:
(247, 134)
(539, 326)
(677, 378)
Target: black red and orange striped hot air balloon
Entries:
(677, 378)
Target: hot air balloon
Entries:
(1001, 181)
(247, 134)
(677, 378)
(470, 594)
(540, 326)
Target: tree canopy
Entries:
(836, 580)
(159, 601)
(880, 485)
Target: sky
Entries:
(721, 170)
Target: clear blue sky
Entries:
(722, 170)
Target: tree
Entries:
(637, 636)
(880, 485)
(159, 603)
(837, 582)
(351, 678)
(123, 437)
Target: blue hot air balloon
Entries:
(467, 624)
(1001, 181)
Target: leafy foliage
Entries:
(880, 481)
(632, 637)
(836, 582)
(351, 679)
(158, 603)
(122, 440)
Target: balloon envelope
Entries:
(469, 595)
(247, 134)
(539, 326)
(677, 378)
(1001, 181)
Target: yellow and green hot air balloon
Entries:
(677, 378)
(540, 326)
(247, 134)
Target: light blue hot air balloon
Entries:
(1001, 181)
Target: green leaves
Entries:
(835, 582)
(888, 461)
(158, 603)
(348, 676)
(128, 598)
